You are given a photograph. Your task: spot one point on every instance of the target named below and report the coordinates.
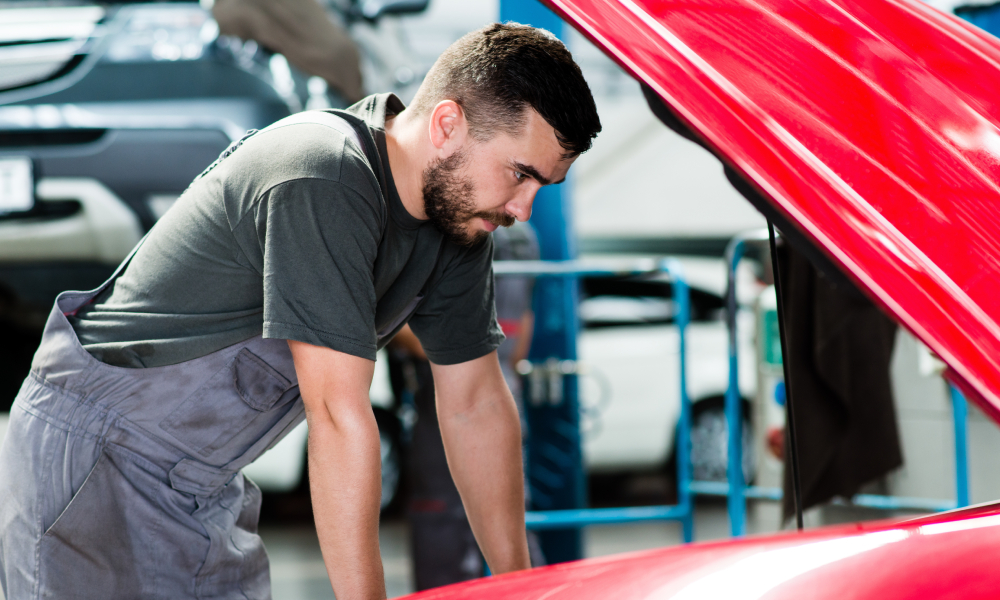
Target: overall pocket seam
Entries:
(226, 404)
(283, 384)
(100, 461)
(46, 532)
(114, 464)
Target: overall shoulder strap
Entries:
(84, 298)
(340, 124)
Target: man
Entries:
(264, 294)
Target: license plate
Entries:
(17, 185)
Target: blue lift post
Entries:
(734, 466)
(555, 460)
(736, 490)
(573, 519)
(960, 413)
(556, 474)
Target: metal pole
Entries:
(684, 498)
(790, 454)
(736, 490)
(735, 499)
(555, 459)
(960, 413)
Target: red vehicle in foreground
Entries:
(950, 555)
(867, 129)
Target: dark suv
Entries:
(107, 112)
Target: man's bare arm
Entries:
(344, 467)
(482, 440)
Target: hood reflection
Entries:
(754, 576)
(961, 525)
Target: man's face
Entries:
(487, 185)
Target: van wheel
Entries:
(389, 451)
(710, 441)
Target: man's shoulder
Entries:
(299, 151)
(309, 145)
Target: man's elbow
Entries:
(340, 417)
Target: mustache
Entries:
(498, 218)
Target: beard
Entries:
(449, 201)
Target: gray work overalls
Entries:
(126, 483)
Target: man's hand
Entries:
(482, 440)
(344, 466)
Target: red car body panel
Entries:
(939, 557)
(872, 124)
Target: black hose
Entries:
(791, 455)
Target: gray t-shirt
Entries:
(296, 233)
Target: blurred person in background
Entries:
(839, 356)
(303, 32)
(838, 351)
(443, 547)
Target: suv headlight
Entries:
(37, 43)
(163, 33)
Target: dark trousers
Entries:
(443, 547)
(442, 544)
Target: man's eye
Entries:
(519, 175)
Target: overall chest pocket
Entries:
(235, 408)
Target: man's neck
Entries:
(402, 141)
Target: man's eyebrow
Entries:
(534, 174)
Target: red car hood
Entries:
(871, 127)
(942, 556)
(869, 124)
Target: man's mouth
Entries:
(489, 225)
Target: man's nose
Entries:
(520, 206)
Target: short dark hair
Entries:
(498, 71)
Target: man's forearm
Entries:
(344, 468)
(483, 445)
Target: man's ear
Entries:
(448, 128)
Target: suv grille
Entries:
(48, 137)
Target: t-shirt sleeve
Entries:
(320, 240)
(457, 321)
